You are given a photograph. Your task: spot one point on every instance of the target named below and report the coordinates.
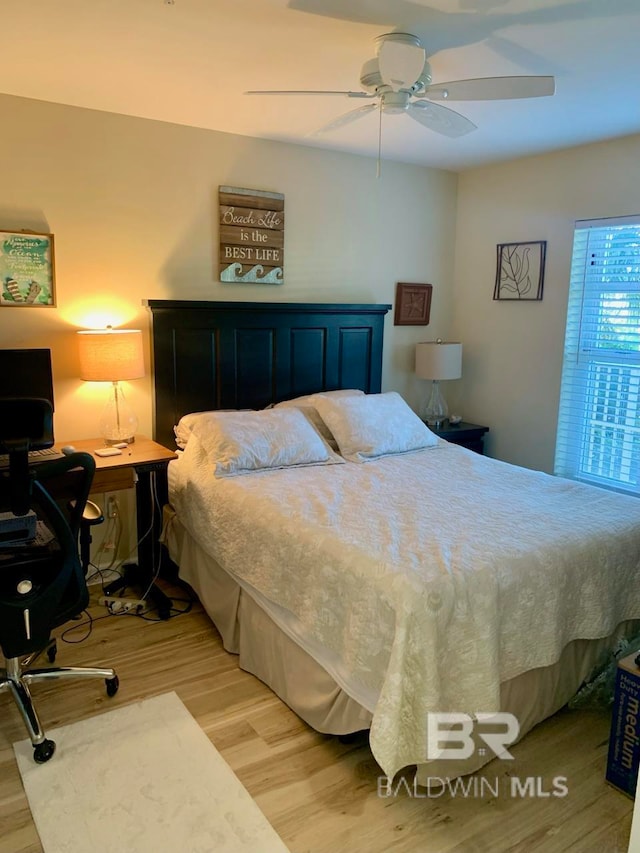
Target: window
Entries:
(598, 437)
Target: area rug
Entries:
(141, 778)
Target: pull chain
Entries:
(379, 141)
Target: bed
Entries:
(369, 593)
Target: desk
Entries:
(135, 468)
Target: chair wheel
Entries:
(112, 685)
(52, 651)
(43, 751)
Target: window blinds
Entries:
(598, 438)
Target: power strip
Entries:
(115, 604)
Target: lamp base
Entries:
(436, 411)
(436, 423)
(118, 423)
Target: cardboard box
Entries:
(624, 740)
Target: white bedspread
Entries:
(433, 576)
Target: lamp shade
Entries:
(110, 355)
(438, 360)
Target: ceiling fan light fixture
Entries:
(401, 58)
(370, 78)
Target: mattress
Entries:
(428, 580)
(266, 649)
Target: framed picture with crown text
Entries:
(27, 271)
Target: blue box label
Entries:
(624, 741)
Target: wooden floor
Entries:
(319, 794)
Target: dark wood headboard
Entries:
(245, 355)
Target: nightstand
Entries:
(466, 435)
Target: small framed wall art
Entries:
(27, 276)
(413, 304)
(520, 271)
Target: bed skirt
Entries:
(267, 651)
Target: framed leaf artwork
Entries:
(520, 271)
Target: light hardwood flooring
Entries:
(318, 793)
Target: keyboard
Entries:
(35, 457)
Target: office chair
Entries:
(42, 584)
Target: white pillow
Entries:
(307, 406)
(185, 425)
(183, 428)
(374, 425)
(241, 442)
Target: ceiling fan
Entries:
(398, 80)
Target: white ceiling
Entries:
(190, 61)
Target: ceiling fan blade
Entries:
(347, 118)
(441, 119)
(400, 63)
(313, 92)
(491, 89)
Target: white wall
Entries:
(133, 206)
(512, 357)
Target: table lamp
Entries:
(111, 355)
(438, 360)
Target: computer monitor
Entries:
(26, 373)
(25, 424)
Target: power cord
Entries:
(99, 572)
(173, 613)
(90, 620)
(113, 608)
(112, 535)
(155, 507)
